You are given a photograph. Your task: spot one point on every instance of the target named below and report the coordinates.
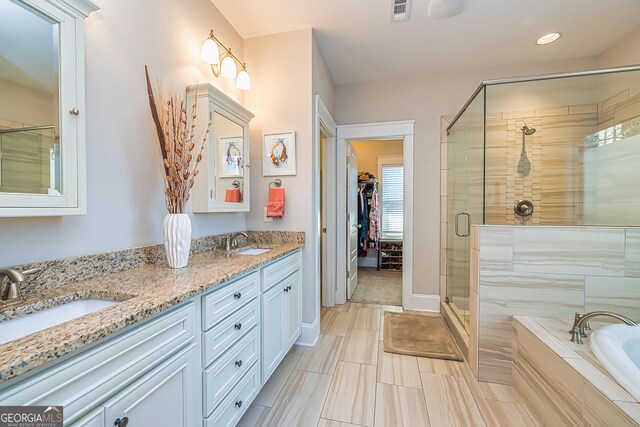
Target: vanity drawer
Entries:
(222, 375)
(237, 402)
(222, 302)
(274, 273)
(87, 379)
(226, 333)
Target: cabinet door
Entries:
(94, 418)
(161, 398)
(293, 312)
(273, 339)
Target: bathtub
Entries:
(617, 348)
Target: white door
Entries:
(273, 318)
(353, 226)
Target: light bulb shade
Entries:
(228, 68)
(443, 9)
(210, 52)
(244, 81)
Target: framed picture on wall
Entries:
(231, 156)
(279, 154)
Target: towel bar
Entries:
(277, 183)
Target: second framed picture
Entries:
(279, 154)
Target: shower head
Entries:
(526, 130)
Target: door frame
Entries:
(324, 123)
(367, 131)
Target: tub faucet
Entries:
(12, 292)
(581, 322)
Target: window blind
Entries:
(392, 201)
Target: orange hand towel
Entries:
(233, 195)
(275, 206)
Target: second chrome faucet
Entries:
(231, 240)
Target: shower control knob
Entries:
(523, 208)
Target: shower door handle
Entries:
(457, 224)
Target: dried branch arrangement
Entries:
(177, 138)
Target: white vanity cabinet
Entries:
(200, 363)
(281, 311)
(128, 372)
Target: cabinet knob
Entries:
(286, 289)
(238, 363)
(239, 403)
(238, 325)
(74, 111)
(122, 422)
(289, 287)
(237, 295)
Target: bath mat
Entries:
(419, 335)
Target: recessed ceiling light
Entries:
(548, 38)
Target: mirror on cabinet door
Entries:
(41, 107)
(223, 183)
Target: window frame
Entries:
(389, 161)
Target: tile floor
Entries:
(348, 380)
(378, 287)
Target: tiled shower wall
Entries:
(545, 272)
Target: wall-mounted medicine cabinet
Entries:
(42, 107)
(223, 183)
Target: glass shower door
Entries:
(465, 196)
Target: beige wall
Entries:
(625, 52)
(124, 175)
(369, 151)
(280, 98)
(425, 99)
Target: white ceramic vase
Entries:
(176, 229)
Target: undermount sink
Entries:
(253, 251)
(14, 329)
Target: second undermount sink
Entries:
(14, 329)
(253, 251)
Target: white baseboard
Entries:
(309, 335)
(421, 302)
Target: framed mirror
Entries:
(223, 184)
(41, 107)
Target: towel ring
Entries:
(277, 183)
(235, 183)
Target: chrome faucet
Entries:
(582, 322)
(12, 292)
(232, 239)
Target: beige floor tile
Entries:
(300, 402)
(297, 349)
(335, 322)
(351, 397)
(398, 369)
(360, 346)
(254, 417)
(450, 402)
(331, 423)
(506, 414)
(400, 406)
(366, 318)
(270, 391)
(322, 358)
(440, 366)
(492, 391)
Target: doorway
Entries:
(367, 155)
(375, 205)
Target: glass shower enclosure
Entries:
(560, 150)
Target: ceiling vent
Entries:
(400, 10)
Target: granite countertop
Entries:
(143, 291)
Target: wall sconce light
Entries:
(224, 64)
